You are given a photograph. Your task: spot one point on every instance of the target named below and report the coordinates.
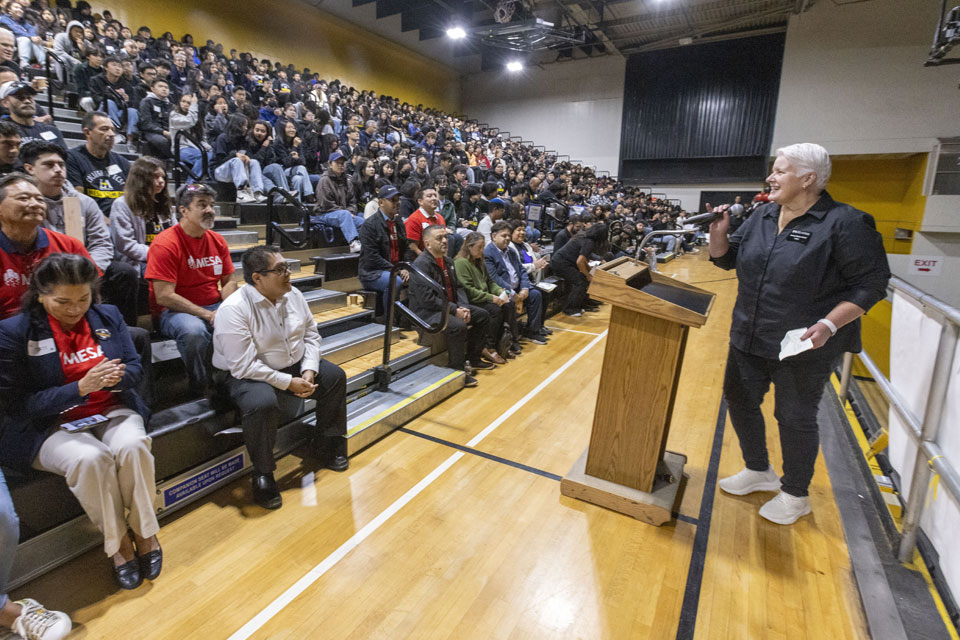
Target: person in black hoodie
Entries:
(289, 149)
(364, 184)
(260, 147)
(84, 73)
(155, 120)
(115, 92)
(232, 164)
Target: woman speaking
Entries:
(803, 261)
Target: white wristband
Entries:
(829, 325)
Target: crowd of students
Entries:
(83, 226)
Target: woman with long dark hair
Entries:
(73, 409)
(290, 152)
(232, 164)
(141, 213)
(364, 185)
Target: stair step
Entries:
(221, 223)
(236, 238)
(324, 300)
(336, 321)
(336, 266)
(381, 412)
(354, 343)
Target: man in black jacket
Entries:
(112, 89)
(84, 73)
(466, 324)
(382, 242)
(155, 120)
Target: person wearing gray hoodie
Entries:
(70, 46)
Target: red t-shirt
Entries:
(80, 352)
(394, 241)
(446, 280)
(194, 265)
(418, 221)
(16, 267)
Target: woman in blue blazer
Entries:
(69, 405)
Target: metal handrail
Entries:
(383, 372)
(179, 166)
(52, 55)
(273, 225)
(923, 431)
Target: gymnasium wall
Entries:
(293, 32)
(572, 107)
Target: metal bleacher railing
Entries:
(923, 431)
(179, 167)
(52, 56)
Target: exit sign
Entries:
(926, 265)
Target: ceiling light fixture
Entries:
(456, 33)
(514, 66)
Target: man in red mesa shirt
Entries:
(189, 270)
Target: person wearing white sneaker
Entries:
(27, 618)
(336, 205)
(232, 164)
(802, 260)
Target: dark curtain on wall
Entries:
(701, 113)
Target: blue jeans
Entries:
(346, 221)
(194, 339)
(273, 176)
(233, 171)
(132, 116)
(533, 234)
(534, 303)
(9, 537)
(381, 284)
(299, 181)
(26, 48)
(194, 157)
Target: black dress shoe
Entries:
(151, 563)
(546, 330)
(265, 491)
(128, 575)
(337, 463)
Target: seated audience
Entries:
(26, 618)
(466, 330)
(382, 242)
(84, 73)
(496, 211)
(189, 269)
(107, 463)
(143, 212)
(530, 257)
(260, 147)
(425, 216)
(112, 92)
(9, 146)
(335, 204)
(19, 99)
(94, 169)
(185, 116)
(483, 292)
(154, 120)
(266, 343)
(504, 267)
(290, 151)
(29, 45)
(232, 164)
(571, 264)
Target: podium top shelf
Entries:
(631, 284)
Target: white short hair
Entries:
(808, 157)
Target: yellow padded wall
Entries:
(293, 32)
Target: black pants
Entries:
(120, 286)
(798, 386)
(261, 415)
(156, 145)
(141, 342)
(498, 316)
(465, 342)
(576, 284)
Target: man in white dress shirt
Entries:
(265, 337)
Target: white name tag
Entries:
(156, 108)
(113, 170)
(48, 135)
(41, 348)
(217, 269)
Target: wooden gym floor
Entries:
(454, 527)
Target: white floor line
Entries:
(588, 333)
(328, 563)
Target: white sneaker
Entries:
(748, 481)
(37, 623)
(785, 508)
(355, 246)
(245, 196)
(259, 197)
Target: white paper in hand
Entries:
(791, 344)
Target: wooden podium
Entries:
(626, 467)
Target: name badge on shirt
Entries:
(48, 135)
(113, 170)
(41, 347)
(799, 236)
(217, 269)
(156, 108)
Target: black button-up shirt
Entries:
(790, 279)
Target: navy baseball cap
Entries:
(336, 155)
(498, 202)
(388, 191)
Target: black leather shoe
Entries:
(151, 563)
(265, 491)
(128, 575)
(546, 330)
(337, 463)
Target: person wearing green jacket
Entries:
(483, 292)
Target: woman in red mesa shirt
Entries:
(65, 361)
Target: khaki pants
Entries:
(110, 471)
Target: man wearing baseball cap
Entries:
(497, 207)
(336, 205)
(382, 242)
(19, 99)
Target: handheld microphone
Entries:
(704, 218)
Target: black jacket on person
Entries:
(82, 75)
(225, 148)
(375, 245)
(265, 155)
(154, 115)
(102, 89)
(426, 301)
(334, 193)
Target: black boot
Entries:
(265, 491)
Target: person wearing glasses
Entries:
(266, 350)
(189, 269)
